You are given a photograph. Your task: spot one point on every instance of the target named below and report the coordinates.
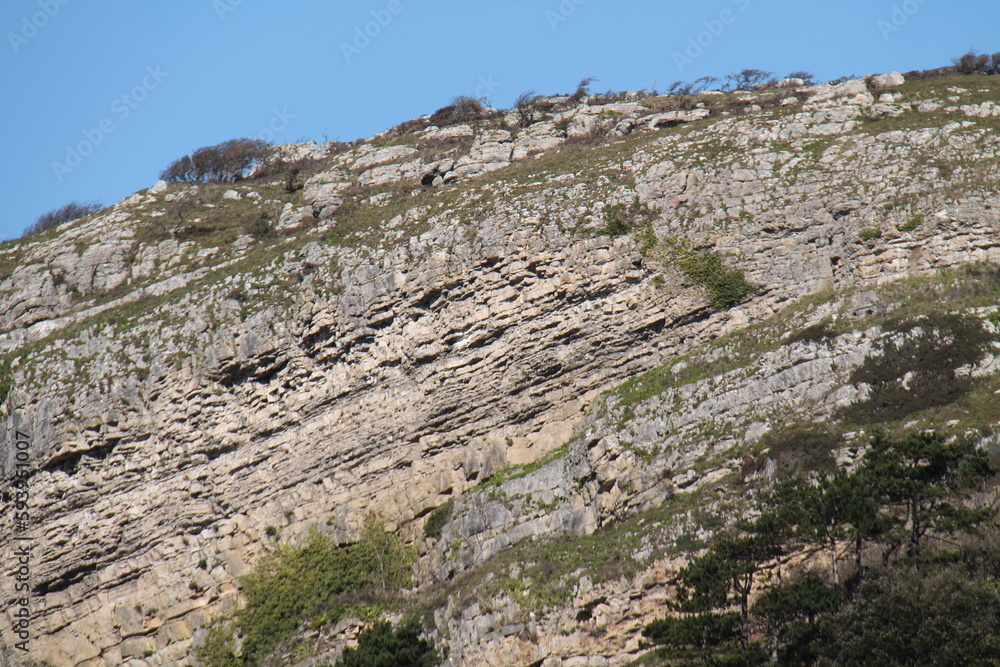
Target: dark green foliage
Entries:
(258, 229)
(6, 380)
(910, 618)
(383, 646)
(694, 634)
(790, 615)
(437, 519)
(815, 333)
(920, 481)
(870, 234)
(915, 221)
(621, 219)
(901, 494)
(933, 348)
(726, 287)
(802, 600)
(53, 219)
(297, 582)
(225, 162)
(802, 448)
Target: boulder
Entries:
(882, 81)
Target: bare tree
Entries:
(749, 79)
(71, 211)
(525, 107)
(226, 162)
(582, 89)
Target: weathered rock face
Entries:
(187, 395)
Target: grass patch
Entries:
(516, 472)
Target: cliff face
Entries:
(435, 307)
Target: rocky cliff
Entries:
(435, 315)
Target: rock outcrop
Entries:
(432, 308)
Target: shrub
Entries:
(819, 332)
(621, 219)
(582, 90)
(598, 133)
(383, 646)
(750, 79)
(6, 380)
(915, 221)
(977, 63)
(870, 234)
(297, 582)
(525, 106)
(437, 519)
(927, 358)
(726, 287)
(463, 109)
(807, 77)
(52, 219)
(258, 229)
(226, 162)
(802, 448)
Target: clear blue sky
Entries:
(137, 83)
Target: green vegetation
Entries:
(515, 472)
(939, 616)
(870, 234)
(915, 221)
(621, 219)
(919, 371)
(6, 379)
(910, 300)
(543, 573)
(317, 581)
(798, 449)
(438, 518)
(384, 646)
(726, 287)
(899, 511)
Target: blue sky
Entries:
(100, 95)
